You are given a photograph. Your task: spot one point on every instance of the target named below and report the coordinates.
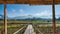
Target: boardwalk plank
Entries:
(29, 30)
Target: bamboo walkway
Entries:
(29, 30)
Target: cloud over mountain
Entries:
(1, 16)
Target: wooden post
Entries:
(53, 12)
(5, 19)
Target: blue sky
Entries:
(43, 11)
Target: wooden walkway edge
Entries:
(19, 30)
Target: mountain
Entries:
(58, 18)
(21, 17)
(1, 16)
(28, 17)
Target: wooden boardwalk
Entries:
(29, 30)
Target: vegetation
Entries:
(46, 30)
(13, 28)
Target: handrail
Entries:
(19, 30)
(39, 32)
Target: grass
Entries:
(49, 30)
(46, 30)
(11, 28)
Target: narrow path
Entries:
(29, 30)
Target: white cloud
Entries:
(21, 10)
(45, 14)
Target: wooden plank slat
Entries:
(34, 2)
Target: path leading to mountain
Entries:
(29, 30)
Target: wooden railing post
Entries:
(5, 19)
(53, 12)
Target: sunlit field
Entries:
(48, 29)
(43, 25)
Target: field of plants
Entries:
(48, 29)
(13, 26)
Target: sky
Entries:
(43, 11)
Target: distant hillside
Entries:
(58, 18)
(1, 16)
(29, 17)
